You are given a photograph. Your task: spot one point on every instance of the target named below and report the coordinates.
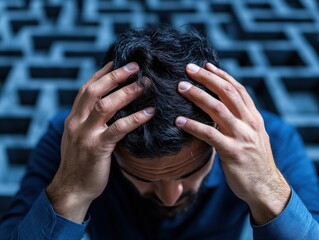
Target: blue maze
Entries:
(48, 48)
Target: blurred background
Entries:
(48, 48)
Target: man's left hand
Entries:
(241, 141)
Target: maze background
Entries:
(49, 48)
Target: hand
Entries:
(88, 143)
(241, 142)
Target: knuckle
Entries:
(82, 89)
(90, 90)
(254, 124)
(119, 127)
(114, 76)
(195, 91)
(236, 152)
(101, 106)
(210, 134)
(207, 74)
(230, 89)
(248, 137)
(213, 137)
(70, 124)
(241, 88)
(96, 75)
(219, 108)
(129, 90)
(137, 119)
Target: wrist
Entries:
(270, 201)
(68, 204)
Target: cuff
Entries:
(42, 222)
(294, 222)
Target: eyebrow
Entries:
(182, 177)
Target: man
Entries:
(162, 144)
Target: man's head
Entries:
(162, 54)
(158, 151)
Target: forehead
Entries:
(192, 156)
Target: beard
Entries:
(155, 206)
(187, 200)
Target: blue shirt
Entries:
(119, 212)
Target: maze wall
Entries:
(49, 48)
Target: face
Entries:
(169, 184)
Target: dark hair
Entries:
(162, 53)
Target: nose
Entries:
(169, 192)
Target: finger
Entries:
(106, 107)
(225, 90)
(213, 107)
(123, 126)
(204, 132)
(107, 68)
(101, 87)
(239, 87)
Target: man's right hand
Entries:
(88, 143)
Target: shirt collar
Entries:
(216, 175)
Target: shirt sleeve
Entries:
(42, 222)
(295, 222)
(299, 220)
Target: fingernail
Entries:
(149, 111)
(181, 121)
(184, 86)
(131, 67)
(192, 67)
(212, 66)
